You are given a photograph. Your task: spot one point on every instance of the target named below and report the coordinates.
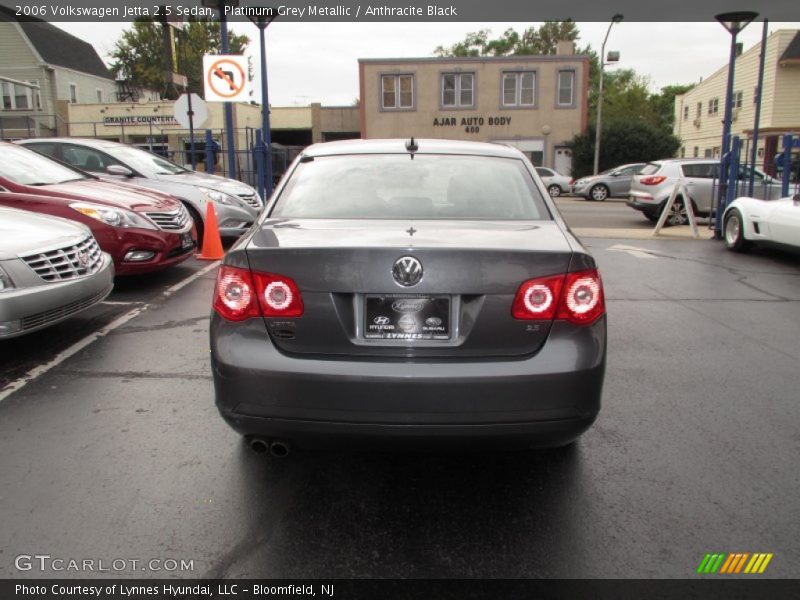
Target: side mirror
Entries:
(120, 170)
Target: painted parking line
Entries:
(59, 358)
(632, 250)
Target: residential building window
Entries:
(17, 97)
(737, 99)
(683, 152)
(699, 109)
(755, 95)
(99, 95)
(458, 90)
(397, 92)
(37, 94)
(519, 88)
(8, 98)
(696, 151)
(685, 113)
(716, 151)
(707, 153)
(73, 93)
(713, 106)
(566, 88)
(22, 96)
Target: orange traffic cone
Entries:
(212, 244)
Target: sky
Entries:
(317, 62)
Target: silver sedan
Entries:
(50, 269)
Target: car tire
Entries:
(198, 224)
(598, 192)
(733, 232)
(677, 214)
(652, 216)
(554, 191)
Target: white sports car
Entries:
(763, 222)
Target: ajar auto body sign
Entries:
(140, 120)
(471, 124)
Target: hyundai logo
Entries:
(407, 271)
(381, 320)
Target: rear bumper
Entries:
(645, 203)
(546, 399)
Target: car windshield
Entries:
(144, 162)
(393, 186)
(27, 167)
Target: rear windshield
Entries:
(649, 169)
(393, 186)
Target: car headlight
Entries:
(5, 281)
(116, 217)
(220, 197)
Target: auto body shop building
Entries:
(535, 103)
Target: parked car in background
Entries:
(652, 186)
(614, 182)
(50, 270)
(141, 229)
(435, 299)
(555, 182)
(749, 221)
(236, 204)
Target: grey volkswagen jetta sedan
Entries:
(409, 290)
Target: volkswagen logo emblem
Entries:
(407, 271)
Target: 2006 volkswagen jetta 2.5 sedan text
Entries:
(413, 291)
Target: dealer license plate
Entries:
(394, 317)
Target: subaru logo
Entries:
(407, 271)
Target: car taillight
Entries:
(241, 295)
(652, 180)
(278, 295)
(582, 300)
(575, 297)
(538, 298)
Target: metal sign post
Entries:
(680, 188)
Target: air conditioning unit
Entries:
(696, 122)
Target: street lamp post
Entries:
(734, 22)
(599, 123)
(262, 21)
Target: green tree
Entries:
(622, 141)
(140, 54)
(665, 103)
(534, 40)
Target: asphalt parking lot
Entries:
(112, 448)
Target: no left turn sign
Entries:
(225, 78)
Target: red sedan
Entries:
(143, 230)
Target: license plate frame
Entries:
(407, 318)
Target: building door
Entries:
(563, 160)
